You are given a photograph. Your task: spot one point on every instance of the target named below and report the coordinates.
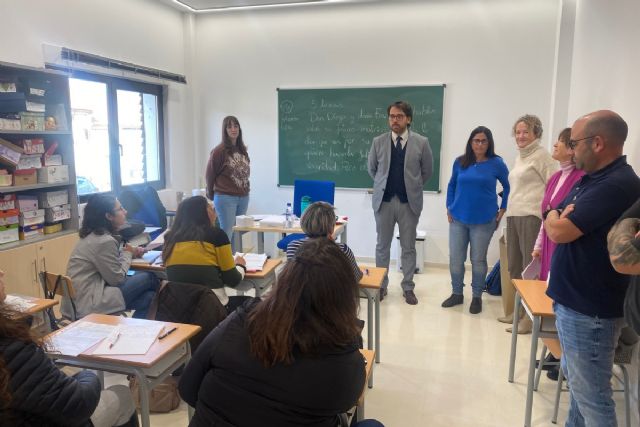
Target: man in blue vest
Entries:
(400, 162)
(588, 293)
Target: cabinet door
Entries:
(53, 255)
(20, 270)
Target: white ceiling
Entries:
(211, 5)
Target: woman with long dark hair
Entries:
(227, 176)
(473, 213)
(33, 391)
(292, 359)
(196, 251)
(99, 263)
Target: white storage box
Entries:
(420, 236)
(52, 160)
(29, 161)
(53, 198)
(9, 233)
(57, 213)
(27, 203)
(31, 217)
(53, 174)
(244, 221)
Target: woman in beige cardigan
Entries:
(528, 178)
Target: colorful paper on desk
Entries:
(532, 271)
(133, 339)
(255, 262)
(18, 303)
(80, 336)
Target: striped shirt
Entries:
(293, 246)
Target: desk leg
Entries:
(377, 311)
(238, 240)
(370, 305)
(532, 369)
(190, 410)
(260, 242)
(514, 336)
(143, 389)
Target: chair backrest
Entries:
(317, 191)
(61, 285)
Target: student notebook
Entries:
(130, 339)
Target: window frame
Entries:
(114, 84)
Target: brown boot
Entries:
(506, 319)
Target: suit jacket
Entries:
(418, 167)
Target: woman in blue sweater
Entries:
(473, 213)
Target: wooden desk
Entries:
(340, 231)
(151, 368)
(539, 307)
(40, 306)
(370, 286)
(259, 280)
(369, 356)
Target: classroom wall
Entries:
(606, 63)
(495, 56)
(142, 32)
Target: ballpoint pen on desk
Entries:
(113, 337)
(366, 271)
(166, 334)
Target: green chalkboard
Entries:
(326, 134)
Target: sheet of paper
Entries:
(77, 338)
(133, 339)
(273, 221)
(148, 257)
(157, 242)
(532, 271)
(255, 262)
(151, 229)
(18, 303)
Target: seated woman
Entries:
(99, 263)
(319, 220)
(33, 391)
(196, 251)
(289, 360)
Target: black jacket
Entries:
(229, 387)
(42, 395)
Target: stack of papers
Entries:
(157, 242)
(131, 339)
(149, 257)
(273, 221)
(255, 262)
(18, 303)
(75, 339)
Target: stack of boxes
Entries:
(31, 218)
(8, 219)
(56, 209)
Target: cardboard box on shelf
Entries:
(6, 180)
(52, 228)
(57, 213)
(53, 198)
(9, 233)
(27, 202)
(32, 121)
(52, 160)
(53, 174)
(33, 146)
(25, 177)
(30, 161)
(10, 122)
(7, 201)
(9, 153)
(31, 217)
(9, 216)
(30, 231)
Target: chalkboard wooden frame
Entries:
(326, 133)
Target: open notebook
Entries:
(149, 257)
(255, 262)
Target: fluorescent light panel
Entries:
(213, 5)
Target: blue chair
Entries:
(317, 191)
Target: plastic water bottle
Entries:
(288, 216)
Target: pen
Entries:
(366, 271)
(166, 334)
(113, 337)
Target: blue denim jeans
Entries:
(227, 208)
(138, 292)
(588, 345)
(478, 236)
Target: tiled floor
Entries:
(444, 367)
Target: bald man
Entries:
(588, 293)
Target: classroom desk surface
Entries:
(539, 307)
(369, 356)
(370, 286)
(41, 304)
(340, 231)
(164, 356)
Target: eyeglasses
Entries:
(396, 116)
(480, 141)
(116, 210)
(573, 143)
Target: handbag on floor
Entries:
(162, 398)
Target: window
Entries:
(117, 133)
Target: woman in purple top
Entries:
(557, 189)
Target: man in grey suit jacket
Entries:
(400, 162)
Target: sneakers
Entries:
(550, 362)
(454, 299)
(410, 297)
(383, 293)
(553, 373)
(476, 305)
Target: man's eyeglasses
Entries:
(480, 141)
(396, 116)
(573, 143)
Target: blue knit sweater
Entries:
(471, 193)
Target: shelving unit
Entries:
(22, 260)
